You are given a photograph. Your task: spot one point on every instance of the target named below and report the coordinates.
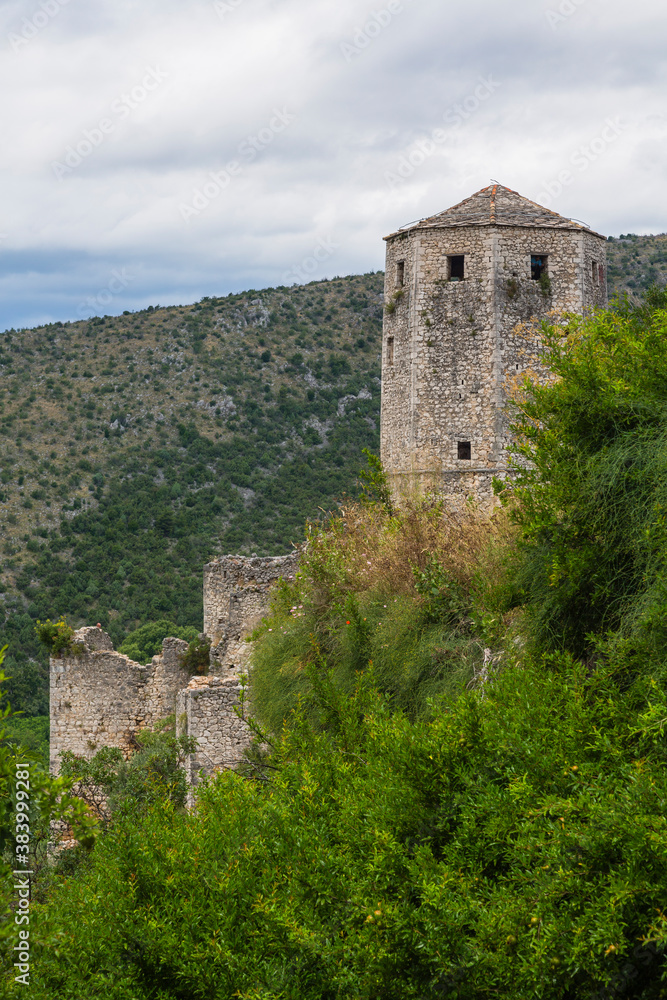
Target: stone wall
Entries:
(236, 598)
(205, 709)
(451, 349)
(101, 698)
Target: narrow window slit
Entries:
(538, 265)
(400, 274)
(390, 350)
(456, 267)
(464, 451)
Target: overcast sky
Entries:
(163, 150)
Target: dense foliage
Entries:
(512, 846)
(593, 507)
(417, 593)
(145, 642)
(109, 781)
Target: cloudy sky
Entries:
(163, 150)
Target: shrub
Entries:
(57, 637)
(591, 503)
(196, 659)
(109, 783)
(145, 642)
(374, 483)
(418, 595)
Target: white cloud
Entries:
(221, 79)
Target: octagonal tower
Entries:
(464, 293)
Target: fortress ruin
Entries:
(100, 697)
(465, 291)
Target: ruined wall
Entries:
(205, 710)
(451, 349)
(100, 697)
(236, 597)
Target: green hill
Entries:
(135, 448)
(636, 262)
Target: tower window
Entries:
(390, 350)
(463, 450)
(595, 272)
(538, 265)
(456, 267)
(400, 273)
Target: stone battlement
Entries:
(236, 598)
(100, 697)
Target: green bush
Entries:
(57, 637)
(30, 733)
(110, 784)
(145, 642)
(196, 659)
(417, 594)
(512, 846)
(592, 503)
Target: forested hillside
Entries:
(636, 263)
(137, 447)
(459, 783)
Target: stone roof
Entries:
(496, 205)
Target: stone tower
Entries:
(464, 293)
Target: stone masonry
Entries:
(465, 292)
(213, 709)
(236, 598)
(102, 698)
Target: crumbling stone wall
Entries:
(451, 348)
(101, 698)
(207, 710)
(236, 598)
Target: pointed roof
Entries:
(496, 205)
